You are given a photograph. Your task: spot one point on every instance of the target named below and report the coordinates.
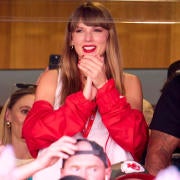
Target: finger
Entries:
(93, 63)
(62, 140)
(68, 139)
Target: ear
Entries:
(108, 173)
(8, 115)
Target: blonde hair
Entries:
(91, 14)
(5, 134)
(5, 131)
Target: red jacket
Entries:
(127, 126)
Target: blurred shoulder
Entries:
(133, 90)
(131, 80)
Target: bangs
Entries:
(90, 16)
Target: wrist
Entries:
(101, 85)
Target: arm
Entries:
(165, 128)
(47, 84)
(44, 125)
(133, 91)
(126, 125)
(62, 148)
(160, 149)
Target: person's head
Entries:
(14, 113)
(173, 71)
(91, 30)
(89, 162)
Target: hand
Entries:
(94, 68)
(89, 90)
(62, 148)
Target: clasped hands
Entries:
(92, 67)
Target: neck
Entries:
(20, 149)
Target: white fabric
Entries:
(98, 133)
(169, 173)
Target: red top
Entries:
(126, 126)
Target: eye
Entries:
(93, 169)
(78, 30)
(98, 29)
(75, 169)
(24, 111)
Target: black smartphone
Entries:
(54, 61)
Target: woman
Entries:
(92, 96)
(11, 120)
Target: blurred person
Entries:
(82, 157)
(62, 148)
(11, 121)
(7, 162)
(173, 70)
(171, 172)
(89, 162)
(165, 126)
(148, 111)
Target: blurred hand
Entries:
(94, 68)
(89, 90)
(62, 148)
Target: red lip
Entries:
(89, 48)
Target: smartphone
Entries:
(54, 61)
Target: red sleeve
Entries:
(43, 125)
(126, 126)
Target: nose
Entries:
(88, 36)
(83, 173)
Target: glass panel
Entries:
(149, 31)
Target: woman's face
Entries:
(89, 40)
(18, 113)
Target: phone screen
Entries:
(54, 60)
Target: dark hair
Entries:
(72, 177)
(97, 150)
(173, 71)
(20, 93)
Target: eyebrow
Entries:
(24, 106)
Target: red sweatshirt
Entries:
(44, 125)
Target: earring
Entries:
(8, 124)
(72, 47)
